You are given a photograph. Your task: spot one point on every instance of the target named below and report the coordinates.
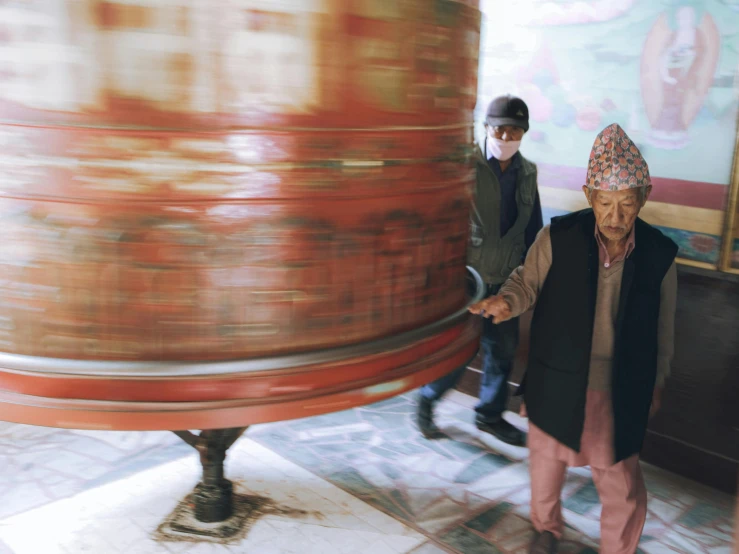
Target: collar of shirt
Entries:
(603, 251)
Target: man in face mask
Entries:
(504, 221)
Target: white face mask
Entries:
(503, 150)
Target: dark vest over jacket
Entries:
(556, 380)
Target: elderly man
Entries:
(604, 284)
(505, 218)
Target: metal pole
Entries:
(213, 496)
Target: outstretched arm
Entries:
(520, 291)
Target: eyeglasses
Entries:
(511, 131)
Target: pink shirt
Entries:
(603, 251)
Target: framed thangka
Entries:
(666, 71)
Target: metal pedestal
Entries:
(213, 496)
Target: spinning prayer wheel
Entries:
(229, 212)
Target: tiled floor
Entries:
(361, 481)
(39, 465)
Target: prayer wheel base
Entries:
(213, 496)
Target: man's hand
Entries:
(656, 401)
(493, 306)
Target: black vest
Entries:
(556, 380)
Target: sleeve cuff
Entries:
(512, 302)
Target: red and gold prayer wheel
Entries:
(229, 212)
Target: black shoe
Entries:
(544, 543)
(425, 419)
(502, 430)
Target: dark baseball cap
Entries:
(508, 110)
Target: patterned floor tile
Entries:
(310, 515)
(39, 465)
(482, 523)
(664, 511)
(361, 481)
(429, 548)
(657, 548)
(584, 500)
(723, 550)
(518, 543)
(442, 515)
(459, 490)
(510, 526)
(701, 515)
(433, 486)
(467, 541)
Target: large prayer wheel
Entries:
(217, 213)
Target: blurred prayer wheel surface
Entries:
(226, 212)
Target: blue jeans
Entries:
(498, 345)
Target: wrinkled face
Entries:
(616, 211)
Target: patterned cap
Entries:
(615, 162)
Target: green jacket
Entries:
(493, 256)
